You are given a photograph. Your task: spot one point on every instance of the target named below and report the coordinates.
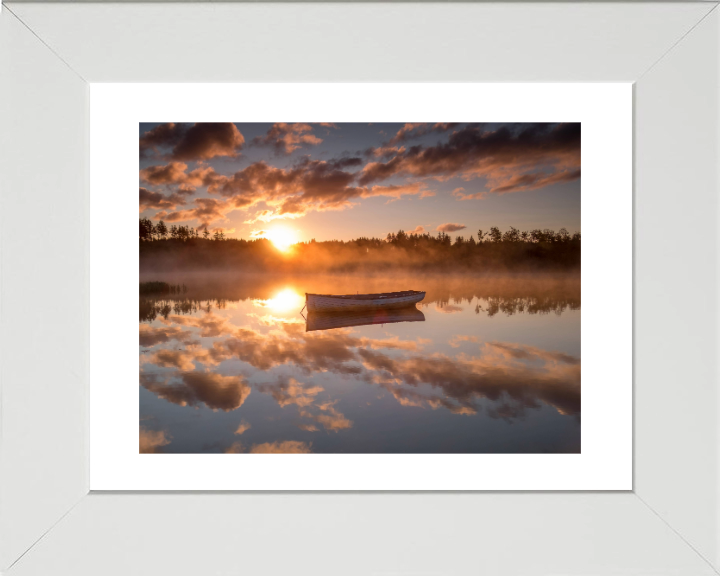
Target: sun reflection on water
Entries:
(284, 301)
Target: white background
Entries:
(605, 111)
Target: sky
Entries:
(343, 181)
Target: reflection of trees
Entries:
(530, 305)
(509, 294)
(151, 308)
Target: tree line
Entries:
(185, 248)
(402, 238)
(159, 231)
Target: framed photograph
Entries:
(386, 279)
(272, 312)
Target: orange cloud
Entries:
(150, 336)
(286, 138)
(450, 227)
(329, 417)
(288, 391)
(152, 440)
(243, 427)
(286, 447)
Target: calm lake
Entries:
(488, 364)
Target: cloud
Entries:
(174, 173)
(411, 131)
(450, 227)
(207, 140)
(235, 448)
(150, 336)
(308, 427)
(152, 440)
(286, 447)
(151, 199)
(163, 135)
(206, 211)
(417, 230)
(243, 427)
(510, 158)
(286, 138)
(385, 151)
(200, 141)
(329, 417)
(217, 392)
(520, 352)
(210, 324)
(288, 391)
(311, 185)
(511, 376)
(513, 384)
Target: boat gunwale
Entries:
(378, 296)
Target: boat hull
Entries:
(331, 320)
(326, 303)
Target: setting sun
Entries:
(282, 238)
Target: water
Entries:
(227, 366)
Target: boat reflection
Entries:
(332, 320)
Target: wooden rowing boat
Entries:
(384, 301)
(332, 320)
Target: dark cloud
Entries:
(206, 140)
(163, 135)
(542, 153)
(193, 388)
(200, 141)
(151, 199)
(450, 227)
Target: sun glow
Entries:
(283, 301)
(282, 238)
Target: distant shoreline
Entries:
(513, 251)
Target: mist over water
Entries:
(227, 364)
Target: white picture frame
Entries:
(50, 523)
